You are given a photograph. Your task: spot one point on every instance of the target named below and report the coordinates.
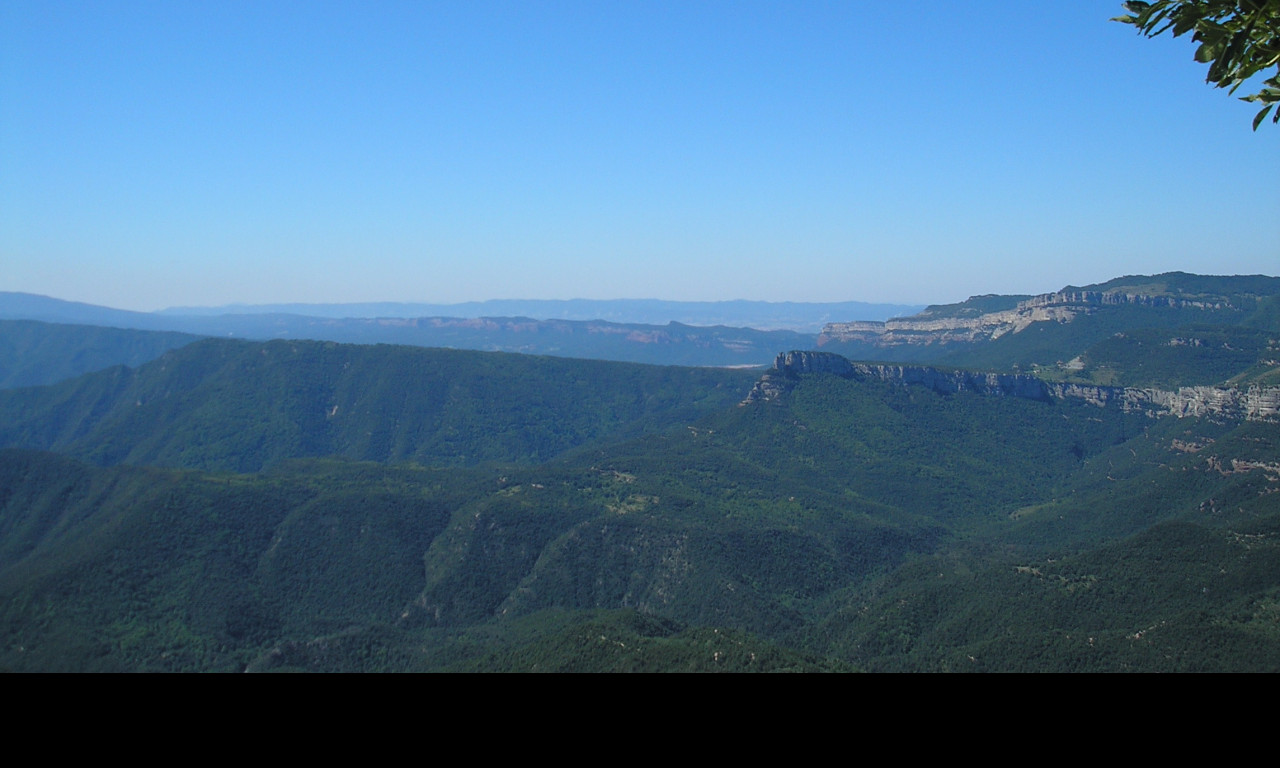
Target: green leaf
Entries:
(1257, 120)
(1206, 53)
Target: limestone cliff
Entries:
(936, 326)
(1253, 403)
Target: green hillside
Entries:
(240, 406)
(1198, 355)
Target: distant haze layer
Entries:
(765, 315)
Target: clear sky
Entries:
(199, 153)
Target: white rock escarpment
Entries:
(1253, 403)
(1062, 307)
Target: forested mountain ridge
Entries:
(236, 405)
(666, 343)
(335, 507)
(1051, 333)
(1253, 402)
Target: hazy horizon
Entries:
(469, 307)
(156, 155)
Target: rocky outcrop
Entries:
(1253, 403)
(921, 329)
(797, 362)
(929, 328)
(1116, 298)
(947, 382)
(788, 366)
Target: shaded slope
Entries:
(1163, 555)
(34, 353)
(129, 568)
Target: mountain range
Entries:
(1085, 480)
(803, 317)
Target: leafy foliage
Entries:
(1237, 40)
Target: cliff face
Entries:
(1114, 298)
(1007, 384)
(1254, 403)
(1062, 307)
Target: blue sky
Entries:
(158, 154)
